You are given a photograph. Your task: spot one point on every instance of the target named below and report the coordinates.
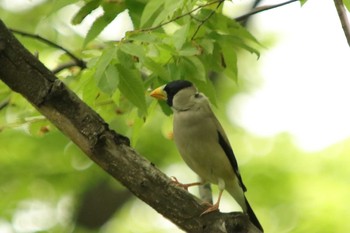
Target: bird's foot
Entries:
(184, 186)
(211, 208)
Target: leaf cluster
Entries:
(171, 40)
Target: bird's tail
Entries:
(252, 216)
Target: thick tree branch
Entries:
(339, 5)
(24, 73)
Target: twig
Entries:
(343, 18)
(4, 103)
(240, 18)
(63, 66)
(253, 6)
(263, 8)
(79, 62)
(27, 120)
(206, 19)
(180, 16)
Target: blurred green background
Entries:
(48, 185)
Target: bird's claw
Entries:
(177, 183)
(184, 186)
(211, 208)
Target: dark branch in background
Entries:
(254, 5)
(262, 9)
(76, 61)
(343, 18)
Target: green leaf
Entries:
(153, 37)
(165, 107)
(189, 50)
(137, 123)
(88, 87)
(131, 86)
(229, 58)
(133, 49)
(213, 62)
(193, 67)
(347, 4)
(59, 4)
(176, 71)
(97, 27)
(150, 9)
(302, 2)
(180, 36)
(125, 59)
(207, 45)
(110, 12)
(108, 82)
(240, 37)
(156, 68)
(84, 11)
(170, 7)
(161, 53)
(104, 60)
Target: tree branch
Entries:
(339, 5)
(262, 9)
(24, 73)
(77, 61)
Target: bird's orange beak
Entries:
(159, 93)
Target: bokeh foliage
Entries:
(45, 179)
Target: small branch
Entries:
(180, 16)
(262, 9)
(4, 103)
(343, 18)
(206, 19)
(27, 120)
(78, 62)
(63, 66)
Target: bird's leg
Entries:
(184, 186)
(205, 193)
(215, 206)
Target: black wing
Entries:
(231, 156)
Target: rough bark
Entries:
(25, 74)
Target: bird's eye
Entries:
(197, 95)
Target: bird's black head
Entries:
(174, 87)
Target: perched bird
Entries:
(202, 142)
